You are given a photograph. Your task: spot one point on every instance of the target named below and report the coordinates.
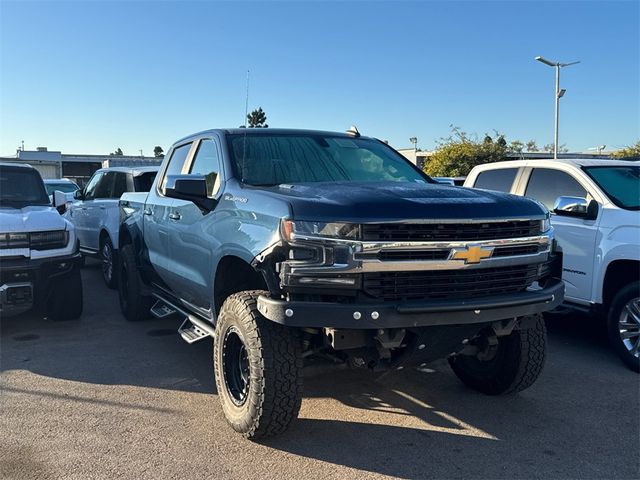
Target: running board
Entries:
(192, 328)
(191, 332)
(161, 309)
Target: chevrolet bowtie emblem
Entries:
(472, 254)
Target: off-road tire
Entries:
(108, 254)
(65, 299)
(133, 304)
(624, 296)
(274, 355)
(516, 365)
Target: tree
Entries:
(516, 146)
(158, 151)
(549, 148)
(457, 154)
(531, 146)
(257, 119)
(118, 152)
(631, 152)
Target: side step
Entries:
(191, 333)
(161, 309)
(192, 328)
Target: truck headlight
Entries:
(545, 225)
(347, 231)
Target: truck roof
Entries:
(266, 131)
(12, 164)
(135, 171)
(576, 162)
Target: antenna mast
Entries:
(246, 102)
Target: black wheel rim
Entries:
(235, 366)
(107, 261)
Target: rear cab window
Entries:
(499, 179)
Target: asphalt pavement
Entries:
(105, 398)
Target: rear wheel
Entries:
(65, 300)
(258, 369)
(133, 304)
(624, 325)
(108, 258)
(511, 366)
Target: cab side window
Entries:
(119, 184)
(546, 185)
(89, 191)
(500, 179)
(207, 163)
(104, 187)
(176, 162)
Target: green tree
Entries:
(118, 152)
(532, 146)
(549, 148)
(257, 119)
(631, 152)
(158, 151)
(516, 146)
(457, 154)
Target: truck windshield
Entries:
(21, 187)
(621, 183)
(273, 159)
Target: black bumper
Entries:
(412, 314)
(26, 283)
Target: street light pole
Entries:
(558, 95)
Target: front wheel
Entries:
(258, 369)
(511, 366)
(133, 304)
(624, 325)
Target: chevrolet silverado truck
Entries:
(39, 256)
(289, 244)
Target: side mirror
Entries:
(78, 195)
(576, 207)
(192, 188)
(60, 201)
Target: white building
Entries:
(77, 167)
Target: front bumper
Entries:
(27, 282)
(412, 314)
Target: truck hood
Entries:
(30, 219)
(394, 201)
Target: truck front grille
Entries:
(450, 284)
(448, 232)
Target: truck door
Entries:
(193, 242)
(78, 210)
(95, 209)
(576, 236)
(157, 222)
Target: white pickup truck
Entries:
(39, 256)
(595, 209)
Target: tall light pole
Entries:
(559, 94)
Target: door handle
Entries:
(147, 211)
(175, 216)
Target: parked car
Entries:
(453, 181)
(285, 244)
(595, 209)
(39, 257)
(64, 185)
(95, 213)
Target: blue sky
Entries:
(87, 77)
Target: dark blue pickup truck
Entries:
(289, 244)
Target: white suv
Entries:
(96, 216)
(595, 209)
(39, 257)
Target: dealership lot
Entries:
(103, 398)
